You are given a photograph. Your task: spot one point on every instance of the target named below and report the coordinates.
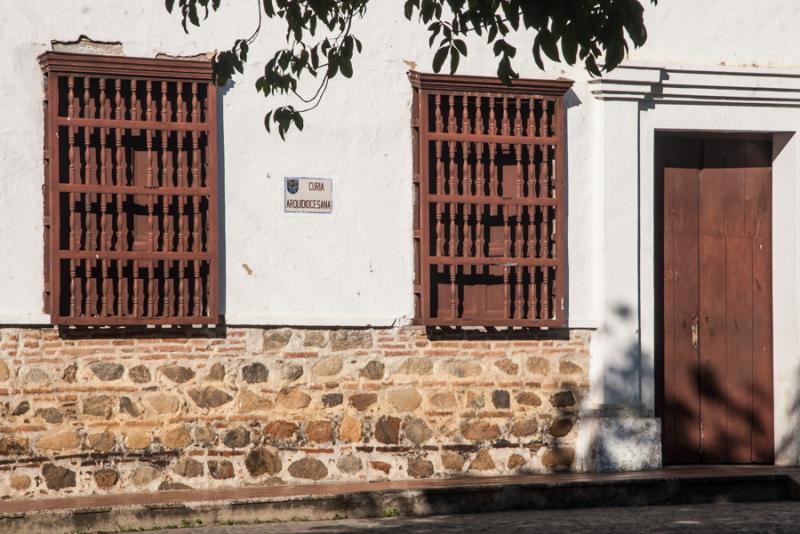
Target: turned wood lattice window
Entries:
(130, 193)
(489, 213)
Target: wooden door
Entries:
(716, 337)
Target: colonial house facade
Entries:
(440, 276)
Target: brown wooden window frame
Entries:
(489, 228)
(130, 192)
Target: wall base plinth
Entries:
(614, 439)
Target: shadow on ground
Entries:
(755, 517)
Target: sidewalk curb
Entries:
(453, 499)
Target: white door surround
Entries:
(636, 102)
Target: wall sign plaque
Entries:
(308, 195)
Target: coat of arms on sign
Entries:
(292, 185)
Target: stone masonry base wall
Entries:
(81, 416)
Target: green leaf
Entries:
(512, 13)
(346, 67)
(408, 8)
(498, 47)
(537, 53)
(548, 43)
(193, 15)
(564, 30)
(347, 47)
(454, 58)
(267, 120)
(505, 72)
(591, 66)
(492, 33)
(438, 59)
(569, 44)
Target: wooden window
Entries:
(489, 238)
(130, 194)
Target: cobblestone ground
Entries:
(759, 517)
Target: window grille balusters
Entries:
(497, 222)
(506, 124)
(546, 184)
(479, 170)
(439, 189)
(453, 305)
(164, 288)
(195, 211)
(466, 190)
(506, 290)
(540, 243)
(72, 181)
(518, 297)
(438, 114)
(531, 253)
(545, 132)
(453, 191)
(163, 201)
(123, 198)
(479, 114)
(451, 114)
(465, 126)
(181, 180)
(195, 138)
(87, 169)
(103, 176)
(518, 169)
(181, 288)
(104, 243)
(531, 130)
(492, 172)
(137, 192)
(531, 172)
(492, 116)
(479, 229)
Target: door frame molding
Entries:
(636, 102)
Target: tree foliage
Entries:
(320, 43)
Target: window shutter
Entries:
(130, 191)
(489, 201)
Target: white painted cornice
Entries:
(724, 85)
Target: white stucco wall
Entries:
(353, 267)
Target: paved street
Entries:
(761, 517)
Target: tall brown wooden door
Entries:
(716, 340)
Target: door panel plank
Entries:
(713, 320)
(668, 314)
(738, 304)
(681, 388)
(686, 402)
(712, 352)
(739, 345)
(758, 194)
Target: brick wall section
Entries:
(256, 406)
